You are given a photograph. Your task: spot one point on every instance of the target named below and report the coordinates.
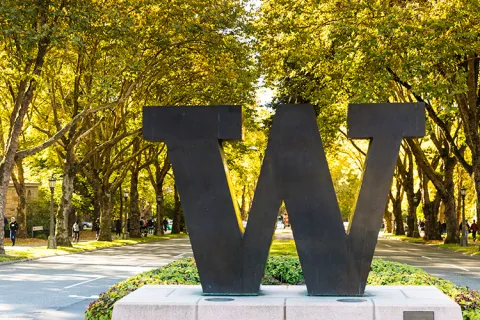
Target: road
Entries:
(459, 268)
(62, 287)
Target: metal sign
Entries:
(231, 261)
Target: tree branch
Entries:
(24, 153)
(431, 112)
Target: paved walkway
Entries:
(62, 287)
(457, 267)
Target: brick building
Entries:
(12, 197)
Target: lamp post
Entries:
(125, 234)
(52, 242)
(464, 238)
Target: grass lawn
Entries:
(36, 248)
(409, 239)
(283, 248)
(473, 247)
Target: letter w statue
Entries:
(231, 261)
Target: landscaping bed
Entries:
(283, 268)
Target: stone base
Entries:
(286, 302)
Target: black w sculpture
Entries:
(231, 261)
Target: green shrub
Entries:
(285, 270)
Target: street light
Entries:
(125, 234)
(464, 238)
(52, 242)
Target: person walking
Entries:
(118, 227)
(474, 229)
(13, 230)
(165, 224)
(76, 232)
(96, 227)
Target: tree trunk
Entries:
(96, 208)
(105, 218)
(134, 210)
(441, 212)
(444, 186)
(157, 183)
(431, 212)
(243, 207)
(160, 211)
(120, 191)
(451, 220)
(406, 170)
(22, 213)
(433, 230)
(176, 213)
(387, 216)
(397, 213)
(411, 225)
(449, 200)
(62, 230)
(23, 98)
(476, 183)
(459, 196)
(8, 160)
(19, 184)
(104, 199)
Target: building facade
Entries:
(12, 197)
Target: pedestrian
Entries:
(474, 229)
(143, 227)
(97, 228)
(76, 232)
(13, 230)
(118, 227)
(165, 224)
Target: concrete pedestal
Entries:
(286, 303)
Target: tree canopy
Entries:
(74, 77)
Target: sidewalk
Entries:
(283, 234)
(28, 249)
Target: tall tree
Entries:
(28, 32)
(177, 212)
(405, 169)
(396, 199)
(157, 179)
